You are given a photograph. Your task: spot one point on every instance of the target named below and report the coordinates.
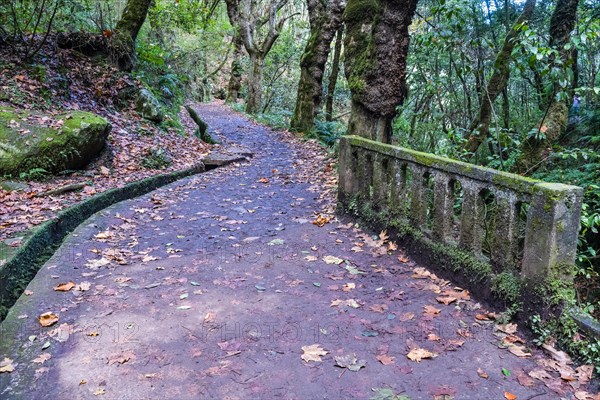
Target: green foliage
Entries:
(157, 158)
(566, 332)
(326, 132)
(35, 174)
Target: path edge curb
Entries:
(22, 267)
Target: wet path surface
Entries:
(211, 287)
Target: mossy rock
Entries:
(35, 142)
(149, 107)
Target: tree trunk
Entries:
(254, 100)
(538, 147)
(333, 77)
(480, 127)
(376, 47)
(235, 80)
(244, 15)
(122, 45)
(324, 23)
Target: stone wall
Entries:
(512, 223)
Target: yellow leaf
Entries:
(332, 260)
(313, 353)
(48, 319)
(65, 287)
(417, 354)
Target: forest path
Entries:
(210, 287)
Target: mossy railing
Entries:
(515, 224)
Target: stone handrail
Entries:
(533, 228)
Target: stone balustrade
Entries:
(512, 222)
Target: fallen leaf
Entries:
(519, 351)
(48, 319)
(350, 303)
(524, 379)
(42, 358)
(507, 328)
(417, 354)
(332, 260)
(321, 220)
(121, 358)
(431, 311)
(6, 365)
(65, 287)
(433, 337)
(350, 362)
(482, 373)
(385, 359)
(509, 396)
(313, 353)
(407, 316)
(560, 356)
(379, 308)
(348, 286)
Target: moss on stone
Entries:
(26, 146)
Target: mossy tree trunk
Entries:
(376, 46)
(123, 41)
(255, 78)
(235, 79)
(325, 20)
(242, 15)
(538, 147)
(480, 127)
(333, 77)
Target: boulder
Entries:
(51, 143)
(148, 106)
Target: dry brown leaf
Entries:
(48, 319)
(584, 373)
(379, 308)
(313, 353)
(510, 396)
(540, 374)
(431, 311)
(417, 354)
(65, 287)
(446, 299)
(482, 373)
(385, 359)
(42, 358)
(507, 328)
(321, 220)
(121, 358)
(519, 351)
(524, 379)
(433, 337)
(6, 365)
(349, 286)
(350, 303)
(560, 356)
(407, 316)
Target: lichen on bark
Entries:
(376, 48)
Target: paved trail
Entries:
(210, 287)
